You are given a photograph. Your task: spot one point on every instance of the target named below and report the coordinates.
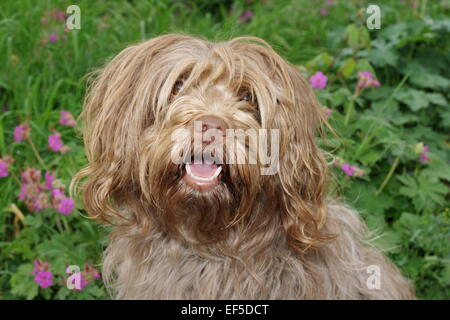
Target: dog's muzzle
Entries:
(203, 174)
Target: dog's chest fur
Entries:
(160, 267)
(174, 271)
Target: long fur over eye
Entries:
(123, 99)
(303, 169)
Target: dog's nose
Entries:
(213, 122)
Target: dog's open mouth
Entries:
(202, 175)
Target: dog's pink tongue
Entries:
(203, 170)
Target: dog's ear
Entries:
(302, 168)
(303, 171)
(122, 101)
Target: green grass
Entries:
(402, 197)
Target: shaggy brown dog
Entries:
(211, 230)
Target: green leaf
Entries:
(364, 65)
(414, 99)
(424, 192)
(368, 203)
(357, 36)
(378, 93)
(22, 283)
(370, 157)
(393, 114)
(446, 273)
(352, 36)
(340, 96)
(408, 221)
(423, 77)
(364, 37)
(389, 241)
(445, 118)
(347, 68)
(321, 62)
(323, 96)
(394, 32)
(437, 98)
(430, 81)
(382, 57)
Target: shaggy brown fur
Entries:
(251, 236)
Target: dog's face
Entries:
(158, 119)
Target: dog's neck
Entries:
(249, 234)
(253, 233)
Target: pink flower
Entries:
(44, 278)
(246, 16)
(83, 282)
(366, 80)
(96, 274)
(53, 14)
(366, 74)
(53, 37)
(323, 12)
(318, 80)
(351, 170)
(424, 154)
(54, 142)
(348, 169)
(66, 206)
(40, 202)
(31, 175)
(424, 157)
(4, 166)
(61, 203)
(328, 112)
(91, 271)
(87, 276)
(57, 194)
(49, 178)
(21, 132)
(42, 275)
(23, 192)
(330, 2)
(59, 15)
(67, 119)
(3, 169)
(31, 191)
(36, 264)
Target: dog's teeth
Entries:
(214, 176)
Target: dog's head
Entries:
(159, 118)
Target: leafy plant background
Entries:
(382, 130)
